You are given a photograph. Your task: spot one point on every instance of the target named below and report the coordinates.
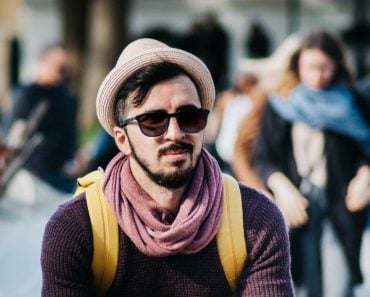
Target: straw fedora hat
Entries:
(143, 52)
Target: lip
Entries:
(176, 154)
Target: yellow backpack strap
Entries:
(105, 233)
(87, 180)
(231, 243)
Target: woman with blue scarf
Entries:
(313, 154)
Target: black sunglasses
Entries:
(156, 123)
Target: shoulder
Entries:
(74, 209)
(259, 210)
(70, 224)
(270, 118)
(67, 250)
(273, 124)
(269, 112)
(267, 269)
(27, 93)
(264, 225)
(27, 88)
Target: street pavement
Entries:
(24, 211)
(22, 221)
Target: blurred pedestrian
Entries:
(313, 144)
(231, 107)
(56, 125)
(269, 72)
(208, 40)
(166, 193)
(257, 43)
(245, 140)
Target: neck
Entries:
(165, 197)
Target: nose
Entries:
(321, 80)
(174, 131)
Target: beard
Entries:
(174, 180)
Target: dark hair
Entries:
(332, 47)
(141, 81)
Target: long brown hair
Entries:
(328, 44)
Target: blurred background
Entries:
(231, 36)
(97, 30)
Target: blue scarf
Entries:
(332, 109)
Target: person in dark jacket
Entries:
(56, 124)
(312, 152)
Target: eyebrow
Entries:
(180, 108)
(188, 106)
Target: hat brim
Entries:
(193, 66)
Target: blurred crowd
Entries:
(303, 138)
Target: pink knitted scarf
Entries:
(152, 228)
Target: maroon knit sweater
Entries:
(67, 254)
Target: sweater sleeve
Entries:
(267, 270)
(67, 252)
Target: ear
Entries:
(121, 139)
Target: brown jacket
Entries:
(244, 145)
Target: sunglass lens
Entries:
(153, 124)
(192, 121)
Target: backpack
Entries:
(230, 239)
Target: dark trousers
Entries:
(306, 251)
(349, 228)
(306, 242)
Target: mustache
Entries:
(176, 146)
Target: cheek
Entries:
(327, 76)
(305, 73)
(144, 147)
(198, 143)
(310, 77)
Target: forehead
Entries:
(172, 93)
(314, 56)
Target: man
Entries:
(56, 123)
(166, 192)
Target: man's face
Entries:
(54, 67)
(168, 159)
